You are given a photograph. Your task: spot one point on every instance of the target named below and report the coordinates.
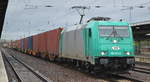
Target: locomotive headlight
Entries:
(114, 41)
(103, 53)
(127, 53)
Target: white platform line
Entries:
(3, 74)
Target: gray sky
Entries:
(29, 17)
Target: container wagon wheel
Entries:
(43, 55)
(51, 58)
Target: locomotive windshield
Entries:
(114, 31)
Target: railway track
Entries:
(107, 77)
(139, 69)
(142, 70)
(127, 77)
(15, 77)
(123, 77)
(23, 72)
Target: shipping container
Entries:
(25, 43)
(39, 42)
(11, 44)
(42, 43)
(15, 44)
(52, 42)
(22, 43)
(30, 43)
(19, 44)
(73, 41)
(35, 43)
(47, 43)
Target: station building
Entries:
(141, 33)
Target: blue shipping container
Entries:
(22, 43)
(30, 42)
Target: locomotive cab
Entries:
(111, 45)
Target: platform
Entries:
(143, 59)
(3, 74)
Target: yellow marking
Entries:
(143, 59)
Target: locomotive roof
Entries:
(108, 23)
(96, 23)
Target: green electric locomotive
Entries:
(99, 45)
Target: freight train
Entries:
(97, 45)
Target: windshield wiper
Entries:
(114, 33)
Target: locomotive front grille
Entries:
(115, 60)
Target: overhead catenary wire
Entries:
(92, 6)
(131, 8)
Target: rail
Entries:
(36, 73)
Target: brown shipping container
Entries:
(39, 42)
(35, 43)
(25, 43)
(47, 42)
(52, 43)
(42, 43)
(19, 44)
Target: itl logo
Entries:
(115, 53)
(115, 48)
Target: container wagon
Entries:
(46, 45)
